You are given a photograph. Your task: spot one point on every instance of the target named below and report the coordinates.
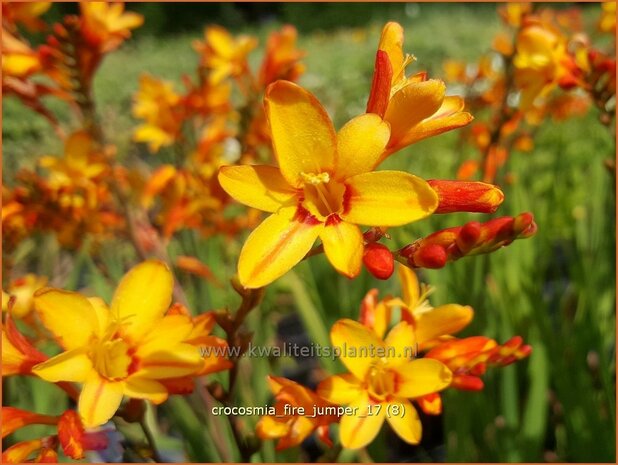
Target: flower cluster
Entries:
(543, 66)
(388, 381)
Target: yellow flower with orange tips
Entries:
(324, 187)
(105, 25)
(224, 55)
(126, 349)
(415, 107)
(18, 59)
(541, 61)
(157, 104)
(287, 425)
(430, 324)
(381, 383)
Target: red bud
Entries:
(466, 196)
(378, 260)
(431, 256)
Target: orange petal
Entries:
(411, 104)
(275, 246)
(171, 362)
(387, 198)
(303, 135)
(381, 85)
(15, 418)
(391, 41)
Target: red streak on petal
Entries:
(381, 85)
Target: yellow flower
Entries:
(429, 323)
(381, 382)
(607, 22)
(18, 59)
(324, 187)
(23, 289)
(288, 425)
(157, 104)
(541, 61)
(123, 350)
(223, 54)
(415, 108)
(107, 25)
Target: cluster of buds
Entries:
(473, 238)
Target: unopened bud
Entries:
(431, 256)
(378, 260)
(468, 236)
(466, 196)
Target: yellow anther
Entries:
(315, 179)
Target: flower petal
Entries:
(387, 198)
(410, 288)
(356, 344)
(343, 245)
(443, 320)
(408, 426)
(143, 388)
(358, 430)
(360, 143)
(275, 246)
(68, 315)
(73, 365)
(270, 427)
(417, 378)
(98, 400)
(142, 297)
(340, 389)
(261, 187)
(303, 136)
(402, 338)
(172, 362)
(411, 104)
(391, 41)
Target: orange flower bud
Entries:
(462, 196)
(378, 260)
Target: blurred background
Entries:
(556, 290)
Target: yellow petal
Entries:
(172, 362)
(272, 427)
(343, 245)
(410, 288)
(449, 116)
(417, 378)
(441, 321)
(98, 400)
(391, 42)
(261, 187)
(275, 246)
(356, 431)
(387, 198)
(143, 388)
(412, 104)
(402, 338)
(73, 366)
(68, 315)
(303, 135)
(407, 426)
(169, 331)
(142, 297)
(360, 144)
(356, 344)
(340, 389)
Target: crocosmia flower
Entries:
(383, 378)
(126, 349)
(324, 187)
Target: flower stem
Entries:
(150, 440)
